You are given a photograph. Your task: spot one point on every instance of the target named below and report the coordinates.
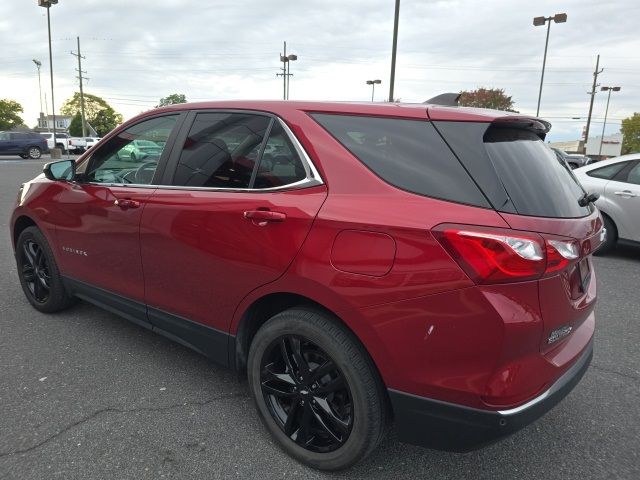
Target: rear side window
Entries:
(607, 172)
(280, 163)
(409, 154)
(634, 175)
(221, 150)
(538, 184)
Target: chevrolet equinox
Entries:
(363, 263)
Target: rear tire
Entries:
(329, 410)
(611, 238)
(39, 275)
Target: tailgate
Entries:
(568, 297)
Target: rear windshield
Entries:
(537, 182)
(409, 154)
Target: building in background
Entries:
(45, 124)
(611, 146)
(572, 146)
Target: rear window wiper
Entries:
(587, 198)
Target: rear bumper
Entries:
(447, 426)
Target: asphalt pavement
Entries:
(87, 395)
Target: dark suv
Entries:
(24, 144)
(361, 262)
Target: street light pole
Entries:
(290, 58)
(47, 4)
(394, 48)
(373, 86)
(538, 21)
(611, 89)
(38, 65)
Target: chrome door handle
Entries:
(262, 217)
(125, 203)
(626, 193)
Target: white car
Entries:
(617, 181)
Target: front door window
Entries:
(132, 156)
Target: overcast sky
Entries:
(139, 51)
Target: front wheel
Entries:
(316, 389)
(34, 153)
(39, 275)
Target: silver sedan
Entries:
(617, 181)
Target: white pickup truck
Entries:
(65, 142)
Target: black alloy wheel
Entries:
(39, 275)
(306, 394)
(316, 388)
(35, 271)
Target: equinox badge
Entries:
(559, 333)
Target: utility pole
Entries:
(283, 59)
(393, 50)
(79, 77)
(593, 91)
(286, 69)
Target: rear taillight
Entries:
(495, 255)
(560, 253)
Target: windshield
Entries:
(538, 184)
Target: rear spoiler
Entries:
(445, 99)
(535, 125)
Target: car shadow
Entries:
(624, 252)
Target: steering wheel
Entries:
(144, 173)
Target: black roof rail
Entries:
(445, 99)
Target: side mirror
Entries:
(62, 170)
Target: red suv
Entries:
(361, 262)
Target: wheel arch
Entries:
(615, 225)
(266, 306)
(20, 223)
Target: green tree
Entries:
(493, 98)
(10, 114)
(105, 120)
(75, 127)
(631, 134)
(92, 105)
(98, 113)
(172, 99)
